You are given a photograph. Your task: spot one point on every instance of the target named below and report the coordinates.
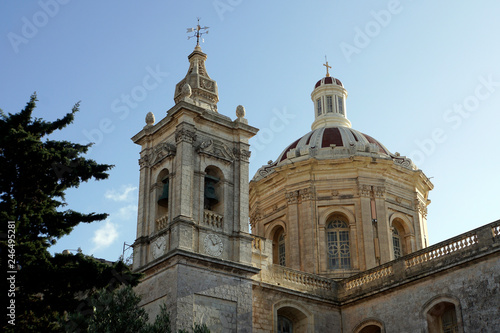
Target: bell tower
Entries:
(192, 230)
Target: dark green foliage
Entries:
(118, 311)
(200, 328)
(35, 172)
(162, 322)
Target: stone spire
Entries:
(329, 96)
(204, 90)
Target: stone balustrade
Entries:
(369, 276)
(299, 280)
(213, 219)
(433, 252)
(161, 223)
(459, 248)
(496, 230)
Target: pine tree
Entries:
(118, 311)
(35, 172)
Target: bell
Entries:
(163, 200)
(210, 196)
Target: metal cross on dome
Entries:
(327, 67)
(198, 32)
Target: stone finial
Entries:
(150, 119)
(240, 111)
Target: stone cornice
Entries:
(199, 112)
(188, 258)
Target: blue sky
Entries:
(423, 78)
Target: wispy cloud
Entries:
(104, 236)
(125, 194)
(127, 212)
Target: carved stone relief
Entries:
(185, 135)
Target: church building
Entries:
(338, 239)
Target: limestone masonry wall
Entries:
(401, 310)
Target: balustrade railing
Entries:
(299, 280)
(496, 229)
(213, 219)
(485, 238)
(161, 223)
(439, 250)
(369, 276)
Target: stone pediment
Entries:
(218, 150)
(160, 152)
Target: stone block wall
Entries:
(209, 295)
(475, 286)
(309, 314)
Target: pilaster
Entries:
(293, 231)
(369, 242)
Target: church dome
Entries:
(328, 80)
(338, 141)
(331, 135)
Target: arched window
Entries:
(284, 325)
(162, 199)
(449, 321)
(396, 243)
(279, 247)
(370, 329)
(442, 318)
(213, 190)
(369, 326)
(290, 317)
(337, 242)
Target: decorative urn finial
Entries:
(150, 119)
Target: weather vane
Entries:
(326, 65)
(198, 32)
